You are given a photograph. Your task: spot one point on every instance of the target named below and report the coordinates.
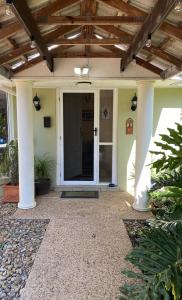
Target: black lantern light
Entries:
(134, 103)
(36, 102)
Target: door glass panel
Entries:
(78, 112)
(105, 163)
(106, 115)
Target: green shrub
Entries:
(159, 259)
(9, 162)
(167, 178)
(43, 167)
(171, 150)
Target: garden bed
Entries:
(7, 209)
(19, 242)
(134, 229)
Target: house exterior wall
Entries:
(45, 138)
(167, 111)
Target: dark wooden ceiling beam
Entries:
(5, 73)
(86, 41)
(164, 55)
(165, 42)
(25, 17)
(152, 50)
(124, 36)
(158, 14)
(62, 52)
(170, 72)
(25, 48)
(129, 9)
(83, 54)
(113, 49)
(89, 20)
(12, 43)
(149, 66)
(88, 8)
(11, 29)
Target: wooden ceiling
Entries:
(91, 28)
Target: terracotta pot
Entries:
(11, 193)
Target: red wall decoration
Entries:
(129, 126)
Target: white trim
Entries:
(62, 181)
(115, 131)
(114, 135)
(60, 138)
(58, 134)
(7, 90)
(105, 144)
(10, 117)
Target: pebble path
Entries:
(19, 241)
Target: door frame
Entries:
(95, 160)
(60, 136)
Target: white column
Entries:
(25, 144)
(143, 143)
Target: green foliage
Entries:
(167, 192)
(3, 126)
(169, 178)
(171, 150)
(166, 203)
(159, 259)
(9, 162)
(43, 167)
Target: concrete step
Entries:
(103, 188)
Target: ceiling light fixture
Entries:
(149, 41)
(8, 9)
(33, 44)
(178, 6)
(81, 71)
(134, 58)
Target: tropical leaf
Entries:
(158, 257)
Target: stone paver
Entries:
(83, 250)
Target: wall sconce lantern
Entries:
(134, 103)
(36, 102)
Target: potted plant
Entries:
(3, 129)
(9, 168)
(43, 167)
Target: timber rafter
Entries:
(90, 26)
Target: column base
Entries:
(140, 208)
(27, 207)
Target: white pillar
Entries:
(25, 144)
(143, 143)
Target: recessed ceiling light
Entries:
(178, 6)
(52, 47)
(73, 36)
(98, 36)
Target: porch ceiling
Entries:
(91, 28)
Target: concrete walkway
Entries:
(83, 250)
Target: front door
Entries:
(80, 137)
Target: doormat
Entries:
(80, 194)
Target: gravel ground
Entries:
(7, 209)
(134, 229)
(19, 242)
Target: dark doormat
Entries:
(80, 194)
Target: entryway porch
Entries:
(83, 250)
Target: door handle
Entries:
(95, 130)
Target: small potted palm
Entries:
(9, 169)
(43, 167)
